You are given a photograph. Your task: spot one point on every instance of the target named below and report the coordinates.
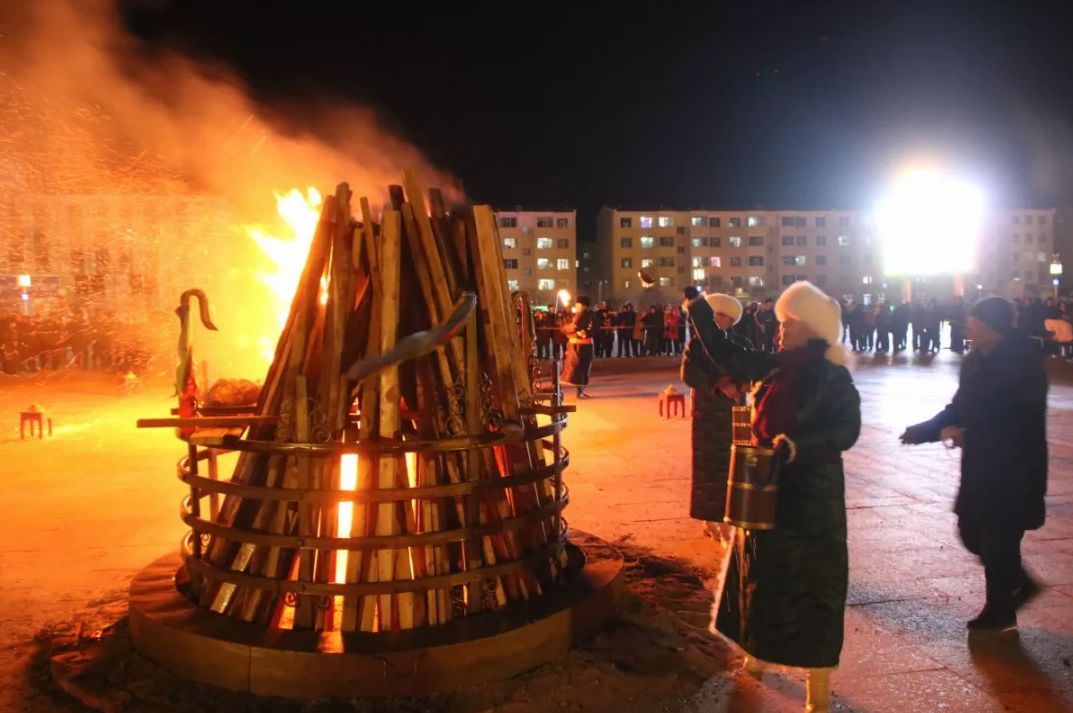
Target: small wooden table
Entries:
(672, 402)
(34, 418)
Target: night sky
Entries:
(580, 104)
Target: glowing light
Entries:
(24, 281)
(564, 297)
(929, 224)
(348, 480)
(288, 254)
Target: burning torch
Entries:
(564, 299)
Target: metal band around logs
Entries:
(207, 486)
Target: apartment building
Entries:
(539, 251)
(1016, 252)
(756, 254)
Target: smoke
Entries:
(195, 117)
(87, 108)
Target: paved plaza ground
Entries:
(84, 509)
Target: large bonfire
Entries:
(378, 348)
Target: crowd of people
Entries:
(69, 338)
(880, 327)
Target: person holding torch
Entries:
(579, 350)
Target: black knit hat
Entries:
(583, 301)
(995, 312)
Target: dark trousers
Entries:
(957, 337)
(999, 549)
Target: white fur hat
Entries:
(725, 304)
(809, 304)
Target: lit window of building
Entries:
(696, 222)
(735, 222)
(843, 241)
(698, 262)
(665, 221)
(626, 262)
(545, 284)
(543, 263)
(699, 273)
(700, 242)
(735, 241)
(544, 243)
(666, 282)
(866, 280)
(647, 241)
(646, 221)
(510, 243)
(753, 221)
(715, 262)
(562, 264)
(647, 262)
(756, 281)
(512, 285)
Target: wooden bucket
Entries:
(752, 487)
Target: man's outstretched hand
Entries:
(912, 436)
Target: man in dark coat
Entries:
(900, 326)
(998, 418)
(599, 315)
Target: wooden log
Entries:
(390, 466)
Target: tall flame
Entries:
(288, 254)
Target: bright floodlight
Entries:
(929, 224)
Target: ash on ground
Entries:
(658, 657)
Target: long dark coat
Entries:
(784, 596)
(578, 362)
(1001, 402)
(711, 431)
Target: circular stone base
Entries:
(210, 648)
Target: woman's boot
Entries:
(817, 690)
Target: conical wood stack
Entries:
(454, 506)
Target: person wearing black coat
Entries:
(998, 418)
(784, 596)
(714, 395)
(579, 350)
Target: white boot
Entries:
(817, 690)
(753, 667)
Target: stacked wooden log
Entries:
(389, 275)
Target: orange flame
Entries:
(288, 254)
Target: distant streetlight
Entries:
(24, 281)
(1056, 273)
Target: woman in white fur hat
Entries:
(714, 394)
(783, 599)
